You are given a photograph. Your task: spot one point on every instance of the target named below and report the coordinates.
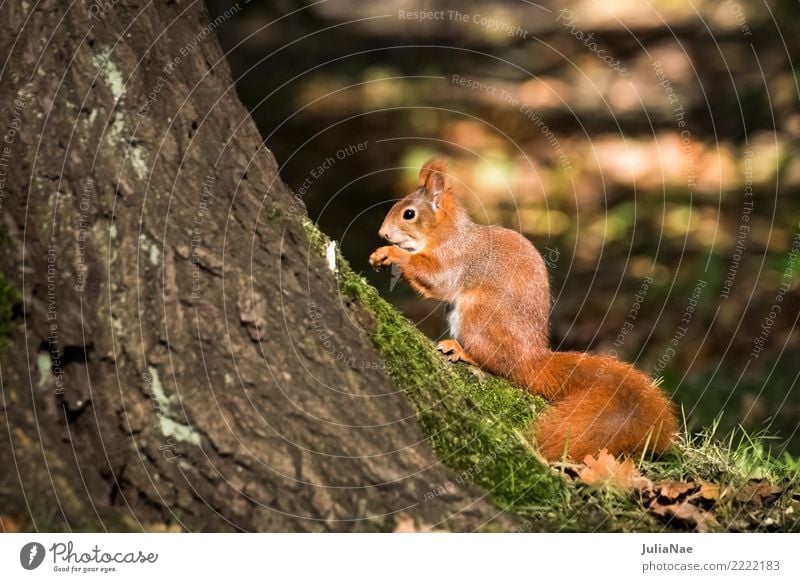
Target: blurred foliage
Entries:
(666, 193)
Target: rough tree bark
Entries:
(169, 362)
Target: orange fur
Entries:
(496, 283)
(598, 402)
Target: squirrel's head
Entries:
(412, 220)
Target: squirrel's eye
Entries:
(409, 214)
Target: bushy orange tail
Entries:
(598, 403)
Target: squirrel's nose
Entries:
(384, 232)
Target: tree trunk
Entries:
(180, 354)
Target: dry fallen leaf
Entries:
(759, 492)
(605, 470)
(708, 495)
(681, 503)
(672, 491)
(684, 513)
(668, 492)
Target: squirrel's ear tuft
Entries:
(433, 177)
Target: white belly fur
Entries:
(454, 321)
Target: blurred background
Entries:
(648, 149)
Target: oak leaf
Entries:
(605, 471)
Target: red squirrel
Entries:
(497, 286)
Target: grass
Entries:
(479, 426)
(731, 463)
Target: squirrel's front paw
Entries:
(382, 257)
(454, 352)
